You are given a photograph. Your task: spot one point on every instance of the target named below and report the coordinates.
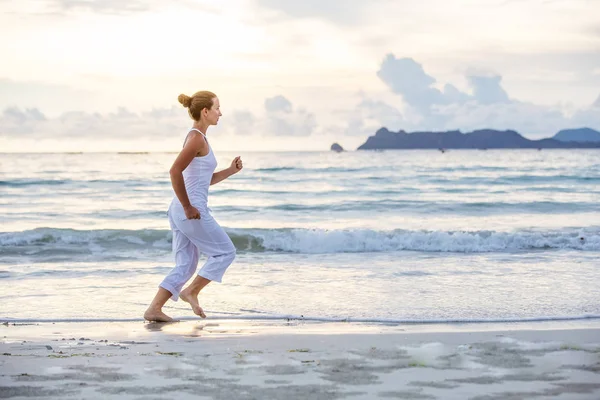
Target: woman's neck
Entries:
(201, 126)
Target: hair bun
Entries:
(185, 100)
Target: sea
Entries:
(394, 236)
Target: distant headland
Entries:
(583, 138)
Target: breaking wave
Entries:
(44, 241)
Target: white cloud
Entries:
(110, 7)
(105, 6)
(415, 104)
(159, 129)
(302, 123)
(543, 55)
(278, 104)
(244, 120)
(345, 12)
(365, 118)
(279, 118)
(15, 121)
(487, 89)
(94, 56)
(528, 119)
(406, 77)
(488, 106)
(587, 117)
(122, 130)
(49, 97)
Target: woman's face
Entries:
(213, 115)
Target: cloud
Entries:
(528, 119)
(105, 6)
(17, 116)
(41, 95)
(15, 121)
(110, 7)
(243, 119)
(415, 100)
(58, 7)
(487, 89)
(487, 106)
(589, 117)
(278, 103)
(78, 124)
(453, 95)
(366, 117)
(279, 119)
(343, 12)
(406, 77)
(282, 120)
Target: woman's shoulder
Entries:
(197, 139)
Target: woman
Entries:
(194, 229)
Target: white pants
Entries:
(191, 237)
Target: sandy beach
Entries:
(229, 359)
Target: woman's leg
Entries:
(154, 311)
(190, 294)
(186, 262)
(208, 236)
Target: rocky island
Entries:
(336, 147)
(479, 139)
(578, 135)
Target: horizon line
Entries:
(296, 151)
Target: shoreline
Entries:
(313, 319)
(249, 329)
(228, 326)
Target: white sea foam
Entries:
(308, 241)
(363, 240)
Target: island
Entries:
(480, 139)
(336, 147)
(578, 135)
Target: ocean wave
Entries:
(366, 240)
(275, 169)
(427, 207)
(507, 180)
(315, 170)
(49, 241)
(86, 271)
(33, 182)
(547, 178)
(25, 182)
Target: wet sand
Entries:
(232, 359)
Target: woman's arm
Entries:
(235, 167)
(221, 176)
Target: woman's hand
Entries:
(191, 212)
(236, 165)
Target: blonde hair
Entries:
(198, 102)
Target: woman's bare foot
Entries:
(187, 296)
(157, 316)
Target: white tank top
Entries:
(197, 177)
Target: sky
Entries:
(104, 75)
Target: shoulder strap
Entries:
(198, 130)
